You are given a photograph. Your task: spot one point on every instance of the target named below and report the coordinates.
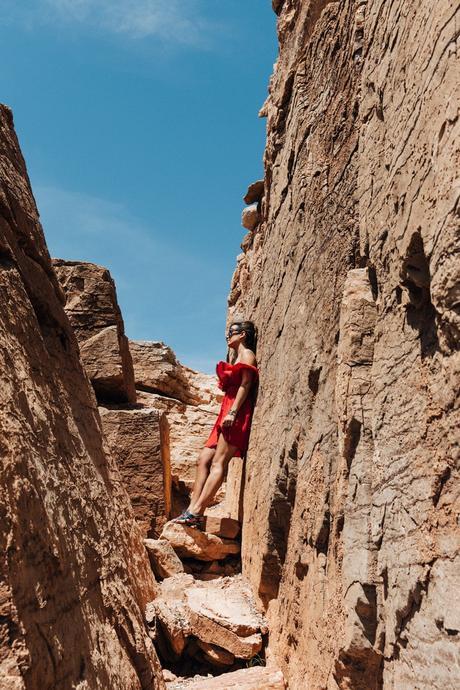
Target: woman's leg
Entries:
(224, 452)
(202, 471)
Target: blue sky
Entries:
(138, 122)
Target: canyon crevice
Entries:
(330, 559)
(74, 574)
(350, 534)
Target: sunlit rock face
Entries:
(74, 574)
(352, 279)
(93, 311)
(138, 440)
(190, 401)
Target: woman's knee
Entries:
(219, 462)
(205, 457)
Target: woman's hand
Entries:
(228, 420)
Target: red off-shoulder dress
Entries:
(237, 434)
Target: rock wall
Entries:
(93, 311)
(156, 412)
(351, 274)
(74, 575)
(191, 402)
(139, 442)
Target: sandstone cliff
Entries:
(74, 576)
(156, 412)
(351, 274)
(190, 401)
(93, 311)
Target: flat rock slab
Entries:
(164, 560)
(192, 543)
(216, 655)
(231, 607)
(222, 614)
(209, 631)
(221, 526)
(255, 678)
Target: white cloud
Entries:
(175, 21)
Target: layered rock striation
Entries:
(351, 276)
(74, 574)
(189, 399)
(139, 442)
(156, 412)
(95, 316)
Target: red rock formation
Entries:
(92, 307)
(256, 678)
(74, 575)
(191, 401)
(157, 370)
(349, 534)
(139, 442)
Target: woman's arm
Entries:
(243, 391)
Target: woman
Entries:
(230, 435)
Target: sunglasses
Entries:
(233, 332)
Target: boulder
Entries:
(104, 365)
(189, 542)
(157, 370)
(221, 526)
(74, 574)
(92, 308)
(231, 606)
(250, 217)
(255, 192)
(220, 613)
(216, 655)
(163, 559)
(254, 678)
(209, 631)
(138, 440)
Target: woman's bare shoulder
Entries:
(248, 357)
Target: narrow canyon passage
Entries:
(207, 627)
(331, 559)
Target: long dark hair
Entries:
(250, 331)
(250, 342)
(251, 335)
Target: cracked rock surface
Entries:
(74, 574)
(221, 614)
(352, 279)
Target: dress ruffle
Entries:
(226, 373)
(229, 380)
